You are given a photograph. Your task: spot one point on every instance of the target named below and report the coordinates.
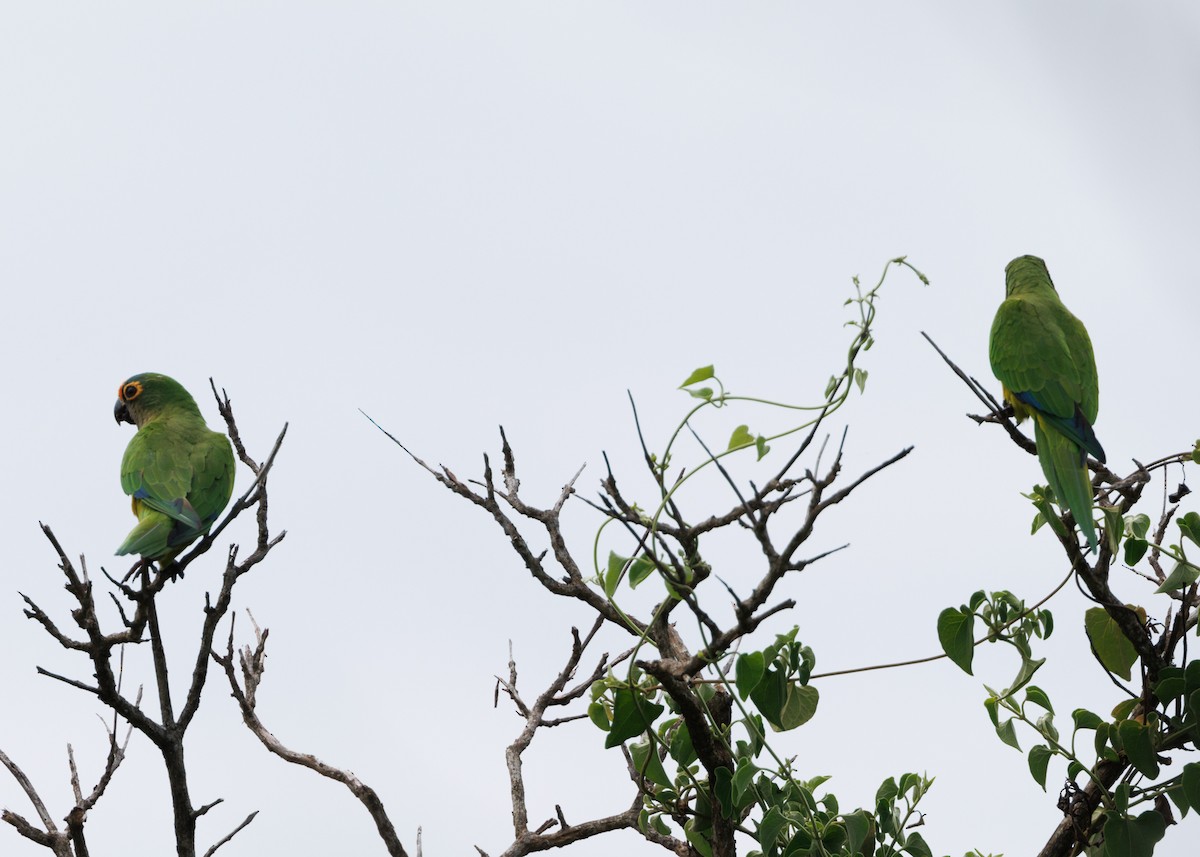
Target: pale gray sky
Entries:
(459, 215)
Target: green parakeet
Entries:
(1043, 357)
(178, 472)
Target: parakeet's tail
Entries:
(1065, 466)
(149, 537)
(1076, 427)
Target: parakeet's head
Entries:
(145, 396)
(1026, 274)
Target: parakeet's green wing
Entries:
(1030, 354)
(1043, 355)
(189, 482)
(159, 475)
(212, 476)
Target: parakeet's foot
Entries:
(141, 564)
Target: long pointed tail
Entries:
(1065, 466)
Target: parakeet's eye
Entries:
(131, 391)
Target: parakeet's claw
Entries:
(137, 566)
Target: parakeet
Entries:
(178, 472)
(1043, 357)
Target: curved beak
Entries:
(121, 413)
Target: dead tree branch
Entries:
(253, 664)
(138, 624)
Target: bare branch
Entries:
(253, 664)
(213, 850)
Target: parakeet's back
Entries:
(1043, 356)
(178, 472)
(1038, 346)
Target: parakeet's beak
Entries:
(121, 413)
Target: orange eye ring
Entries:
(130, 391)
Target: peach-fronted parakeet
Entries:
(178, 472)
(1043, 357)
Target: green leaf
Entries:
(769, 828)
(858, 828)
(701, 374)
(1085, 719)
(887, 791)
(647, 763)
(1184, 574)
(1046, 618)
(1038, 696)
(1135, 549)
(1114, 526)
(816, 782)
(1170, 684)
(598, 715)
(769, 694)
(1046, 513)
(956, 633)
(1045, 726)
(681, 748)
(799, 707)
(916, 846)
(909, 781)
(697, 839)
(1193, 709)
(632, 715)
(723, 789)
(1008, 733)
(1179, 798)
(1039, 759)
(748, 672)
(1191, 673)
(1028, 667)
(612, 577)
(1189, 524)
(1132, 837)
(1137, 525)
(1124, 708)
(1138, 742)
(705, 393)
(641, 568)
(1121, 797)
(860, 378)
(741, 437)
(760, 444)
(1191, 784)
(800, 844)
(1111, 645)
(992, 705)
(742, 778)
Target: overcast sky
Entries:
(461, 215)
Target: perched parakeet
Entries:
(1043, 357)
(178, 472)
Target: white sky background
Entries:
(460, 215)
